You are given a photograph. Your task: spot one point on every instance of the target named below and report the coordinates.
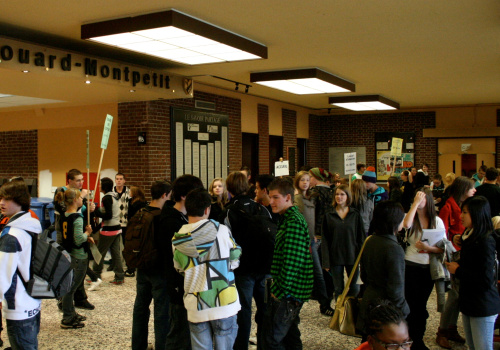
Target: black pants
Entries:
(418, 288)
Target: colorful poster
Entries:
(385, 162)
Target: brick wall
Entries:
(19, 150)
(263, 128)
(146, 163)
(289, 129)
(359, 131)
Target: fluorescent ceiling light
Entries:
(4, 95)
(157, 33)
(303, 81)
(364, 103)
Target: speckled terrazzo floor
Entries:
(109, 325)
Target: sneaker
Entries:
(130, 273)
(95, 285)
(84, 305)
(115, 281)
(80, 318)
(72, 324)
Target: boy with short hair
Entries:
(204, 248)
(21, 311)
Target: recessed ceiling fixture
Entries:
(174, 36)
(303, 81)
(364, 103)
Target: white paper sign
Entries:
(281, 168)
(349, 163)
(397, 146)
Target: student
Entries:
(382, 262)
(201, 246)
(171, 220)
(306, 205)
(360, 169)
(386, 328)
(122, 193)
(21, 311)
(395, 193)
(152, 282)
(361, 203)
(343, 236)
(479, 300)
(292, 271)
(490, 190)
(74, 236)
(418, 280)
(219, 196)
(479, 176)
(421, 179)
(262, 194)
(109, 237)
(375, 193)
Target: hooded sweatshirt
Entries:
(15, 253)
(207, 255)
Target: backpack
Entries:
(139, 247)
(254, 230)
(51, 274)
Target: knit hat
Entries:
(369, 175)
(320, 174)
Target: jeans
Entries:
(79, 270)
(479, 331)
(23, 334)
(216, 334)
(338, 280)
(449, 317)
(319, 281)
(248, 286)
(113, 243)
(178, 338)
(281, 325)
(151, 284)
(418, 288)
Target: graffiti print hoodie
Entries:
(206, 253)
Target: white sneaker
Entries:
(95, 285)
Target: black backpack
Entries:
(51, 274)
(139, 246)
(254, 230)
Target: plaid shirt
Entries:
(292, 267)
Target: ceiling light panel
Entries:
(158, 33)
(364, 103)
(303, 81)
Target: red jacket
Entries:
(450, 214)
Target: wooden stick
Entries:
(98, 172)
(88, 195)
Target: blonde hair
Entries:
(449, 178)
(359, 195)
(69, 196)
(224, 198)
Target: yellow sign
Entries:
(396, 147)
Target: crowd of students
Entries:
(279, 242)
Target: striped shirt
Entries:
(292, 267)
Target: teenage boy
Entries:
(292, 271)
(360, 169)
(171, 220)
(490, 190)
(262, 194)
(21, 311)
(375, 193)
(122, 193)
(109, 237)
(152, 283)
(479, 176)
(206, 254)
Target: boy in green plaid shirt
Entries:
(292, 271)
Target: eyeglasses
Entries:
(406, 345)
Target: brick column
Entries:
(19, 150)
(263, 122)
(289, 127)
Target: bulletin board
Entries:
(199, 144)
(385, 162)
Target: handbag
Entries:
(347, 308)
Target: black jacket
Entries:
(171, 220)
(383, 274)
(478, 281)
(257, 253)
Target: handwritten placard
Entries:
(349, 163)
(396, 146)
(281, 168)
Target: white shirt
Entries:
(412, 253)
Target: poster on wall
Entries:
(394, 153)
(385, 164)
(199, 144)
